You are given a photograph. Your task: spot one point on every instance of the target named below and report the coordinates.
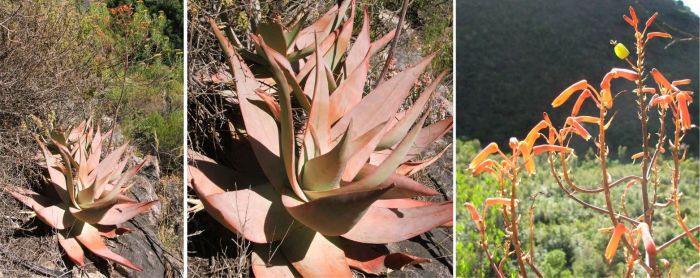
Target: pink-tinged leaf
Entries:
(72, 248)
(95, 151)
(287, 140)
(337, 52)
(318, 116)
(383, 102)
(399, 130)
(403, 187)
(389, 165)
(106, 170)
(376, 260)
(322, 26)
(426, 138)
(566, 94)
(401, 203)
(360, 47)
(57, 179)
(332, 215)
(112, 215)
(271, 103)
(273, 34)
(48, 211)
(429, 135)
(399, 223)
(323, 47)
(614, 241)
(349, 92)
(379, 44)
(90, 238)
(410, 168)
(315, 255)
(324, 172)
(111, 197)
(265, 266)
(111, 231)
(261, 127)
(75, 133)
(251, 209)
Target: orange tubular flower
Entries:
(637, 155)
(635, 20)
(658, 34)
(684, 99)
(550, 148)
(662, 81)
(490, 149)
(535, 133)
(606, 95)
(587, 119)
(485, 166)
(498, 201)
(578, 128)
(566, 94)
(527, 157)
(649, 244)
(662, 101)
(614, 241)
(651, 19)
(474, 213)
(681, 82)
(579, 102)
(646, 90)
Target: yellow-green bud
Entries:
(621, 51)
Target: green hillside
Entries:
(515, 56)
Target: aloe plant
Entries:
(337, 182)
(83, 198)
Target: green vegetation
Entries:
(515, 56)
(142, 71)
(567, 240)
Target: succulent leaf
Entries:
(315, 255)
(264, 220)
(399, 223)
(332, 215)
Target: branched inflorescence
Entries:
(666, 98)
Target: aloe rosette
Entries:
(327, 189)
(83, 199)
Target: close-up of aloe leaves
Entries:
(333, 157)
